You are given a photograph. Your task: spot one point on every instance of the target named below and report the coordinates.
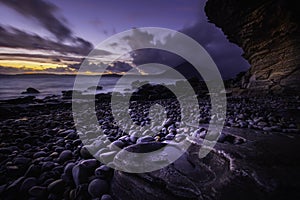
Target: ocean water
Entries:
(11, 86)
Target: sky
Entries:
(54, 36)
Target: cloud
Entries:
(227, 56)
(143, 56)
(15, 38)
(115, 67)
(118, 67)
(46, 14)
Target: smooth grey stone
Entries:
(59, 149)
(28, 183)
(90, 163)
(98, 187)
(168, 122)
(56, 186)
(262, 124)
(169, 137)
(72, 136)
(116, 145)
(65, 155)
(33, 171)
(84, 153)
(15, 185)
(6, 150)
(145, 139)
(21, 161)
(66, 132)
(268, 129)
(77, 142)
(26, 146)
(145, 147)
(133, 138)
(68, 168)
(243, 124)
(46, 166)
(80, 174)
(106, 197)
(38, 191)
(103, 171)
(39, 154)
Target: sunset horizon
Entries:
(36, 46)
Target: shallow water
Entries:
(11, 86)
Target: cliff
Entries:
(269, 33)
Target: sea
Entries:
(11, 86)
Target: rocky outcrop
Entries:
(269, 33)
(31, 90)
(229, 171)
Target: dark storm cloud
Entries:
(99, 52)
(15, 38)
(227, 56)
(143, 56)
(115, 67)
(45, 13)
(118, 67)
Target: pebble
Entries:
(65, 155)
(33, 171)
(84, 153)
(21, 161)
(90, 163)
(262, 124)
(116, 145)
(106, 197)
(39, 154)
(80, 174)
(56, 186)
(38, 191)
(103, 171)
(169, 137)
(46, 166)
(28, 183)
(145, 139)
(98, 187)
(14, 187)
(168, 122)
(268, 129)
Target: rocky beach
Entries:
(42, 156)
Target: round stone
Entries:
(98, 187)
(65, 155)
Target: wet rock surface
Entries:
(260, 168)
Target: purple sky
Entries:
(78, 22)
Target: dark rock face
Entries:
(31, 90)
(230, 171)
(269, 33)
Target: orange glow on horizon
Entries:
(37, 67)
(30, 65)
